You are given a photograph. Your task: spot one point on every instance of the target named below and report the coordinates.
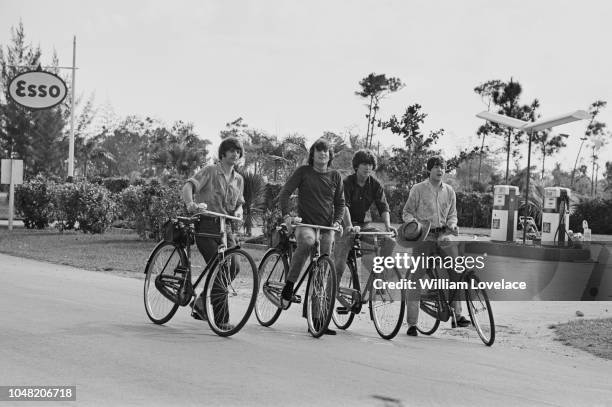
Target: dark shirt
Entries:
(320, 196)
(358, 199)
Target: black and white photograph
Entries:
(289, 203)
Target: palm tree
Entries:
(254, 199)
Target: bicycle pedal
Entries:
(297, 299)
(342, 310)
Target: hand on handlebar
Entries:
(193, 207)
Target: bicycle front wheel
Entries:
(349, 283)
(163, 277)
(387, 303)
(230, 292)
(272, 273)
(480, 311)
(429, 307)
(321, 296)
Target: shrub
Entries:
(116, 185)
(96, 208)
(66, 205)
(34, 202)
(596, 211)
(149, 206)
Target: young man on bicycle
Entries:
(220, 188)
(434, 201)
(320, 202)
(361, 189)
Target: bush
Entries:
(473, 208)
(96, 207)
(34, 202)
(596, 211)
(149, 206)
(66, 205)
(116, 185)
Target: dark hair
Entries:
(364, 157)
(436, 160)
(230, 143)
(320, 145)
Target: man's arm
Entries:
(410, 209)
(194, 184)
(451, 222)
(339, 208)
(294, 182)
(382, 205)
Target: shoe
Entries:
(197, 310)
(412, 331)
(287, 295)
(463, 322)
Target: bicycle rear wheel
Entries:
(272, 273)
(230, 292)
(348, 284)
(321, 295)
(164, 274)
(480, 311)
(387, 305)
(429, 307)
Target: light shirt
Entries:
(435, 204)
(219, 193)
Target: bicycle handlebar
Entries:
(216, 214)
(336, 229)
(376, 233)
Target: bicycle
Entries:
(435, 305)
(386, 305)
(320, 288)
(230, 288)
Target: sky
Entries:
(294, 66)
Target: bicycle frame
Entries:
(352, 258)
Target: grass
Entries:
(591, 335)
(116, 251)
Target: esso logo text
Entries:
(37, 90)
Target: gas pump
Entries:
(555, 216)
(505, 213)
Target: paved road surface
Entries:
(64, 326)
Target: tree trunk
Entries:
(576, 163)
(543, 158)
(508, 155)
(480, 160)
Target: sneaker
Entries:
(287, 295)
(463, 322)
(197, 310)
(412, 331)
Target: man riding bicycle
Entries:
(218, 188)
(361, 189)
(434, 201)
(320, 202)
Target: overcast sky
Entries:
(293, 66)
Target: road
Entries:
(64, 326)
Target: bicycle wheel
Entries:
(163, 272)
(480, 311)
(387, 304)
(272, 271)
(321, 295)
(348, 284)
(429, 306)
(230, 292)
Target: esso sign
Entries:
(37, 90)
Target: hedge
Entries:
(596, 211)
